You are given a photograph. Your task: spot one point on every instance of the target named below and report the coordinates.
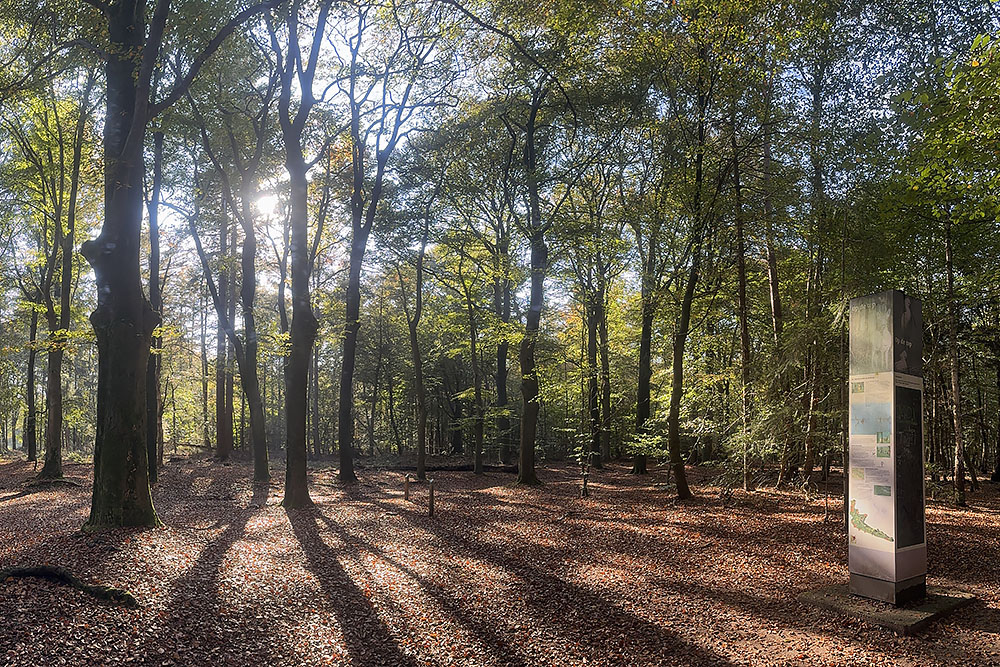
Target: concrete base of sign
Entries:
(904, 620)
(893, 592)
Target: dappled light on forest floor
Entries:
(500, 576)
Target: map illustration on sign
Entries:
(872, 463)
(859, 521)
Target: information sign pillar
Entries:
(887, 547)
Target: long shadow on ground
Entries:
(367, 638)
(575, 612)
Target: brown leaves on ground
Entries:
(500, 576)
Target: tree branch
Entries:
(181, 86)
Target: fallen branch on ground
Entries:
(66, 577)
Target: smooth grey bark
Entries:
(153, 410)
(30, 434)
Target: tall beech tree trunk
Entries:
(602, 330)
(996, 452)
(123, 319)
(539, 264)
(247, 353)
(230, 351)
(815, 289)
(223, 422)
(477, 381)
(770, 256)
(684, 323)
(352, 324)
(300, 69)
(593, 382)
(303, 333)
(643, 387)
(953, 362)
(813, 293)
(203, 307)
(156, 303)
(249, 375)
(677, 382)
(30, 435)
(501, 308)
(413, 323)
(526, 355)
(773, 283)
(52, 467)
(742, 308)
(314, 402)
(59, 329)
(366, 194)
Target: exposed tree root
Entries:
(52, 481)
(63, 576)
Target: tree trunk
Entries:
(352, 324)
(812, 402)
(529, 374)
(249, 374)
(956, 394)
(206, 439)
(818, 210)
(156, 303)
(413, 322)
(123, 320)
(677, 382)
(52, 468)
(593, 384)
(501, 308)
(643, 391)
(303, 333)
(742, 308)
(317, 445)
(605, 375)
(773, 283)
(539, 264)
(683, 326)
(303, 328)
(59, 329)
(477, 382)
(771, 258)
(981, 422)
(391, 404)
(223, 424)
(30, 435)
(230, 351)
(813, 405)
(996, 462)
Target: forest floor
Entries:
(499, 576)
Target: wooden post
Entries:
(430, 503)
(584, 492)
(406, 487)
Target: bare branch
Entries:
(181, 86)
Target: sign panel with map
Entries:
(887, 549)
(872, 520)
